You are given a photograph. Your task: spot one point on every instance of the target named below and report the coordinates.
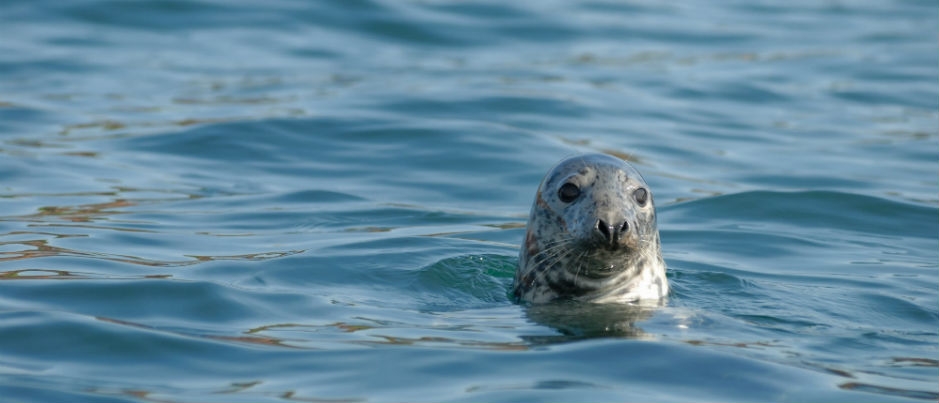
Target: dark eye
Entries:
(642, 196)
(568, 192)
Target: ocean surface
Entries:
(323, 201)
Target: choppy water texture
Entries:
(208, 200)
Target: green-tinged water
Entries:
(246, 201)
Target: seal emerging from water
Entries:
(591, 236)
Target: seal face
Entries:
(591, 236)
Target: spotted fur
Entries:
(566, 255)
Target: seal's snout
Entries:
(610, 234)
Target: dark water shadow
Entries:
(581, 320)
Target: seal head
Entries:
(591, 236)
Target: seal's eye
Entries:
(568, 192)
(642, 196)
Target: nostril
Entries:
(612, 233)
(605, 229)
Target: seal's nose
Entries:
(611, 233)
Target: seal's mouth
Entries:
(618, 248)
(618, 244)
(603, 271)
(605, 262)
(612, 247)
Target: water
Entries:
(285, 200)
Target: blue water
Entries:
(223, 201)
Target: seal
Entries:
(591, 236)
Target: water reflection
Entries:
(581, 320)
(40, 248)
(261, 340)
